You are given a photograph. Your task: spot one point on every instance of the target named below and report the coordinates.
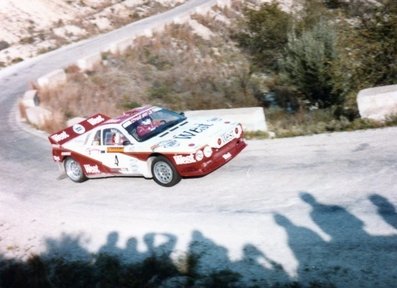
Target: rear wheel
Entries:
(73, 170)
(164, 173)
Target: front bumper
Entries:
(219, 157)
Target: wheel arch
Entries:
(83, 172)
(149, 162)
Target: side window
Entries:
(113, 136)
(97, 139)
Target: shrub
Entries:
(264, 35)
(307, 64)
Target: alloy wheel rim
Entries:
(73, 169)
(163, 172)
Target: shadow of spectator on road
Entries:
(110, 247)
(307, 246)
(350, 258)
(211, 256)
(385, 209)
(256, 267)
(335, 221)
(165, 247)
(67, 246)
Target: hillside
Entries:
(34, 27)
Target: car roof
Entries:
(131, 115)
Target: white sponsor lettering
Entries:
(188, 134)
(78, 129)
(227, 137)
(91, 169)
(94, 121)
(227, 155)
(179, 159)
(60, 137)
(66, 153)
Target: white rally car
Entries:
(148, 141)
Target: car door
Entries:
(114, 143)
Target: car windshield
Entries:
(153, 124)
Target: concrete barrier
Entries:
(181, 19)
(252, 118)
(377, 103)
(38, 116)
(121, 46)
(88, 63)
(145, 33)
(30, 99)
(52, 79)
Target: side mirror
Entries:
(126, 143)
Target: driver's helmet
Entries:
(146, 121)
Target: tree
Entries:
(379, 57)
(265, 35)
(367, 52)
(307, 64)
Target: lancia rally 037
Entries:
(149, 141)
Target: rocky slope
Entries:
(29, 28)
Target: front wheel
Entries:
(164, 173)
(73, 170)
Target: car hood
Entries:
(194, 133)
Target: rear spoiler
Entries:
(77, 129)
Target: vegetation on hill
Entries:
(321, 55)
(305, 66)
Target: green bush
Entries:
(307, 64)
(264, 35)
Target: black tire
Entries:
(74, 170)
(164, 173)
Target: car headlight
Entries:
(199, 155)
(207, 151)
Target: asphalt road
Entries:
(307, 208)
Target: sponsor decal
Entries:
(91, 169)
(66, 153)
(133, 163)
(94, 151)
(129, 148)
(180, 159)
(61, 136)
(96, 120)
(165, 144)
(142, 115)
(123, 170)
(78, 128)
(227, 155)
(227, 137)
(188, 134)
(115, 149)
